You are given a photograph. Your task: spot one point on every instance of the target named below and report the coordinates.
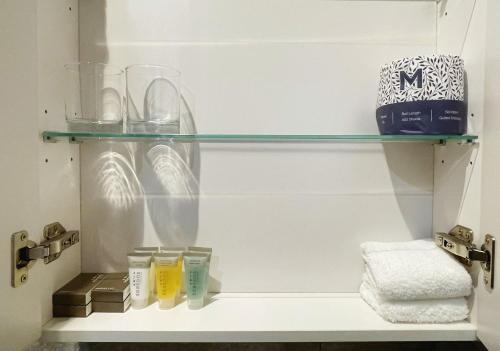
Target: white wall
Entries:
(279, 217)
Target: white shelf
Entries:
(253, 318)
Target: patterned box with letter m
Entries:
(422, 95)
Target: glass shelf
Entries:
(50, 136)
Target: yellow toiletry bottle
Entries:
(180, 282)
(167, 278)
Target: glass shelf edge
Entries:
(50, 136)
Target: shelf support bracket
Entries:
(459, 242)
(49, 139)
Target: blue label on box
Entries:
(423, 117)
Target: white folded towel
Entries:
(414, 270)
(418, 311)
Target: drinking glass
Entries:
(94, 97)
(153, 99)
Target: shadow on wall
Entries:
(135, 194)
(417, 175)
(170, 174)
(112, 206)
(140, 194)
(451, 181)
(93, 40)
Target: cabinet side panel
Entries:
(458, 168)
(58, 162)
(489, 302)
(20, 308)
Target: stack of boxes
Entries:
(112, 294)
(92, 292)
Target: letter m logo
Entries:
(403, 77)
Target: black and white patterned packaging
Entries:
(422, 95)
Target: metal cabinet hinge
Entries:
(459, 242)
(25, 252)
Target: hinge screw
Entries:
(24, 277)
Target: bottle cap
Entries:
(195, 304)
(165, 304)
(139, 304)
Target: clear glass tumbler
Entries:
(94, 97)
(153, 99)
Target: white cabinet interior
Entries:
(250, 67)
(273, 200)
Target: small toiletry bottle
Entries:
(166, 278)
(207, 251)
(139, 267)
(180, 276)
(196, 273)
(152, 276)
